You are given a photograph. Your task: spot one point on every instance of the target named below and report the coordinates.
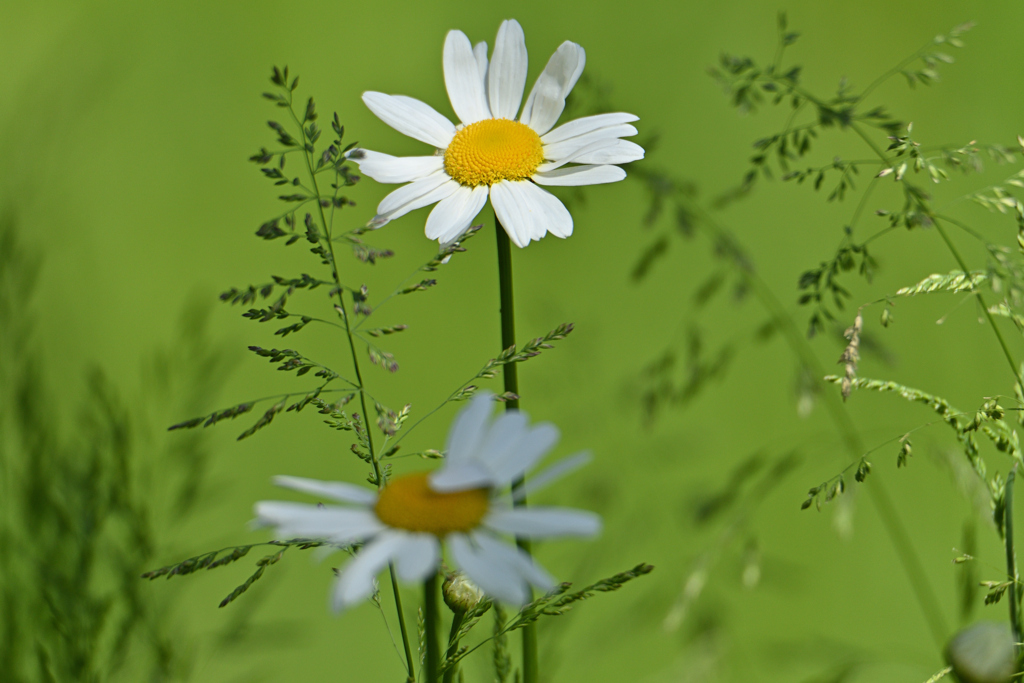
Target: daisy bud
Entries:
(460, 594)
(983, 653)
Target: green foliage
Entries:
(226, 556)
(987, 420)
(559, 601)
(83, 513)
(955, 282)
(555, 603)
(530, 349)
(891, 154)
(297, 362)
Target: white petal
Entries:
(385, 168)
(480, 53)
(580, 152)
(498, 579)
(417, 557)
(516, 222)
(468, 429)
(506, 75)
(356, 581)
(527, 212)
(552, 474)
(585, 125)
(527, 568)
(411, 117)
(580, 175)
(620, 152)
(463, 80)
(339, 525)
(335, 490)
(504, 435)
(568, 147)
(512, 556)
(544, 522)
(452, 216)
(547, 99)
(461, 476)
(531, 448)
(416, 194)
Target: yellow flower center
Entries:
(487, 151)
(409, 503)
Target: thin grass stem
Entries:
(411, 674)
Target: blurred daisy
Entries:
(459, 504)
(492, 154)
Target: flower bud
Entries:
(460, 594)
(983, 653)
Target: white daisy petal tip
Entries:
(463, 79)
(358, 580)
(411, 117)
(506, 74)
(545, 522)
(453, 216)
(468, 428)
(385, 168)
(587, 174)
(333, 490)
(259, 521)
(547, 99)
(552, 474)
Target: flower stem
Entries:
(453, 646)
(511, 377)
(431, 620)
(1011, 560)
(508, 313)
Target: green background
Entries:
(124, 133)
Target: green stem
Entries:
(1011, 560)
(431, 620)
(893, 71)
(1014, 368)
(453, 646)
(508, 313)
(340, 308)
(411, 674)
(511, 377)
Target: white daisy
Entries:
(490, 153)
(459, 504)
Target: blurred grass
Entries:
(87, 499)
(125, 128)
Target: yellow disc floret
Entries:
(409, 503)
(487, 151)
